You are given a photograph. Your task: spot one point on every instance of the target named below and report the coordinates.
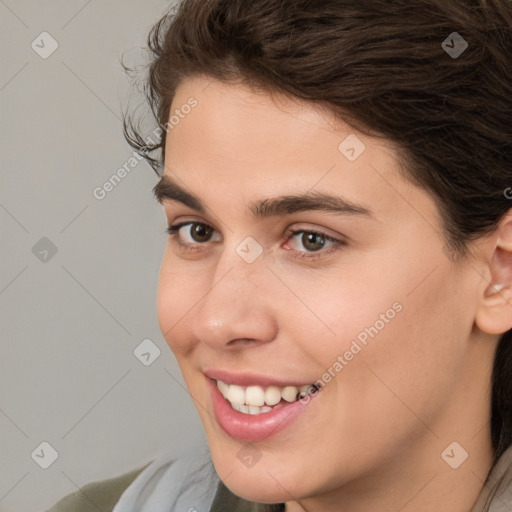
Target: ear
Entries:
(494, 314)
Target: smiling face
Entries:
(258, 288)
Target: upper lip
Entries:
(251, 379)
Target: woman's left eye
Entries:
(315, 244)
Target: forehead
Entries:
(243, 111)
(254, 132)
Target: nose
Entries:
(236, 310)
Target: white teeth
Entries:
(254, 395)
(236, 394)
(272, 395)
(256, 399)
(223, 387)
(289, 393)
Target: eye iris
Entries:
(200, 232)
(312, 238)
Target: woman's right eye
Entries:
(191, 233)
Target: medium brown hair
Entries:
(380, 66)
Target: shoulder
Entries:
(101, 495)
(169, 482)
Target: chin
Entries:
(259, 488)
(267, 480)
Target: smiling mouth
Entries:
(256, 400)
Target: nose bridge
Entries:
(235, 306)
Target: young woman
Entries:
(337, 283)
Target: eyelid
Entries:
(308, 228)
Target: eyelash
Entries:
(337, 245)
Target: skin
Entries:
(372, 439)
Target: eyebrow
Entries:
(168, 190)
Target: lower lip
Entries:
(254, 427)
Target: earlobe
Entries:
(494, 316)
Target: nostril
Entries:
(242, 342)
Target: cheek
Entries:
(419, 355)
(339, 307)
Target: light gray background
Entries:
(70, 325)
